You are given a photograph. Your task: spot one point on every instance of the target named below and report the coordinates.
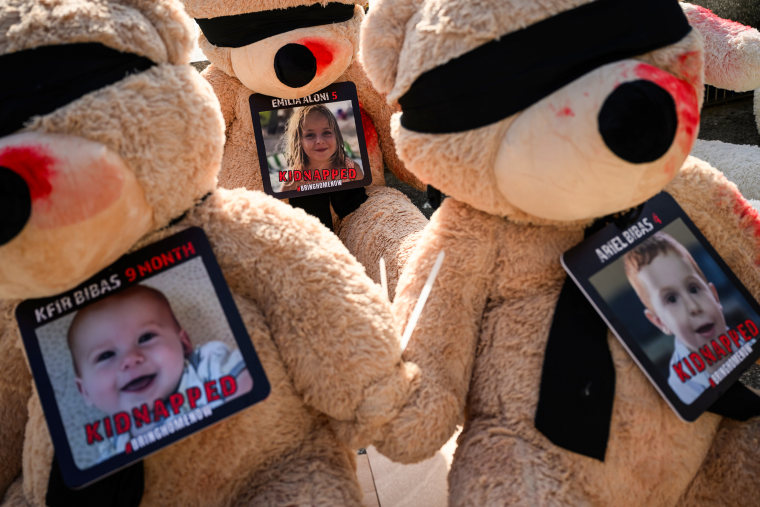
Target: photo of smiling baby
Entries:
(129, 350)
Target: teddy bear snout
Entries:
(15, 204)
(295, 65)
(638, 121)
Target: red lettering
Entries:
(726, 342)
(144, 268)
(141, 415)
(334, 174)
(167, 258)
(92, 433)
(283, 175)
(109, 428)
(352, 174)
(751, 327)
(697, 361)
(159, 410)
(740, 327)
(656, 219)
(156, 263)
(688, 365)
(121, 422)
(193, 395)
(678, 368)
(188, 249)
(316, 174)
(176, 400)
(297, 175)
(131, 274)
(325, 174)
(707, 354)
(719, 352)
(343, 174)
(734, 337)
(211, 393)
(307, 175)
(228, 384)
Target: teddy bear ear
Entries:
(732, 50)
(382, 36)
(174, 26)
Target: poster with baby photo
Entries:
(146, 352)
(675, 305)
(311, 145)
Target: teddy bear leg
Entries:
(728, 475)
(494, 465)
(320, 472)
(14, 495)
(386, 226)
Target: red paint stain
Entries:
(748, 216)
(725, 24)
(321, 51)
(690, 65)
(565, 111)
(685, 98)
(34, 165)
(370, 133)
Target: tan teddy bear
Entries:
(537, 118)
(111, 142)
(290, 49)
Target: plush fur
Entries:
(481, 338)
(739, 163)
(336, 376)
(236, 73)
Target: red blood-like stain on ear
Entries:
(321, 51)
(685, 97)
(33, 164)
(725, 24)
(565, 111)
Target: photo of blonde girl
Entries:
(313, 141)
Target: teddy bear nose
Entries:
(638, 121)
(15, 204)
(295, 65)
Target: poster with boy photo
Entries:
(311, 145)
(148, 351)
(677, 308)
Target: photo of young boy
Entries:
(680, 302)
(129, 349)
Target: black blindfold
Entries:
(40, 80)
(505, 76)
(243, 29)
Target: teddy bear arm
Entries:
(445, 337)
(732, 50)
(225, 88)
(387, 226)
(331, 324)
(723, 215)
(15, 390)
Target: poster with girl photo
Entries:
(148, 351)
(310, 145)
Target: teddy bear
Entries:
(537, 119)
(290, 49)
(110, 142)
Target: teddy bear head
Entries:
(107, 134)
(555, 111)
(282, 48)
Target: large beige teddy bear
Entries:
(537, 118)
(111, 142)
(290, 49)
